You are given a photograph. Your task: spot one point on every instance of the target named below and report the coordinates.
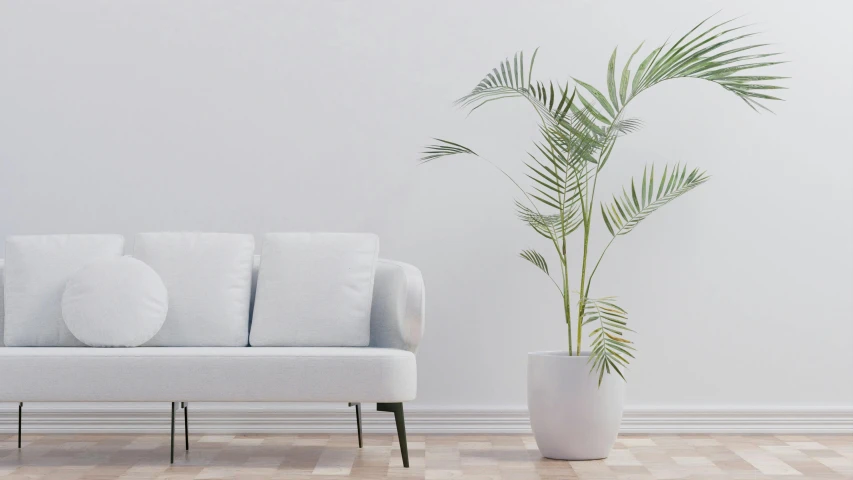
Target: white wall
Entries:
(261, 116)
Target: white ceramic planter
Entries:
(572, 417)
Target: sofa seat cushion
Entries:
(207, 374)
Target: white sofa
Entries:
(385, 372)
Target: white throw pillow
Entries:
(119, 302)
(209, 279)
(315, 289)
(37, 267)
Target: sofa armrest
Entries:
(2, 300)
(397, 313)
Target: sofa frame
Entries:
(396, 328)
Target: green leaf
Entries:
(515, 72)
(610, 350)
(552, 203)
(633, 209)
(710, 53)
(641, 70)
(651, 183)
(688, 50)
(626, 74)
(535, 258)
(593, 111)
(507, 81)
(611, 79)
(553, 226)
(521, 69)
(530, 70)
(444, 148)
(598, 96)
(664, 60)
(606, 221)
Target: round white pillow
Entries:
(120, 302)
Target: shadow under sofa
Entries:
(384, 372)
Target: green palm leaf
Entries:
(611, 79)
(551, 226)
(444, 148)
(610, 350)
(563, 163)
(626, 75)
(535, 258)
(577, 138)
(602, 100)
(713, 54)
(627, 125)
(624, 213)
(507, 81)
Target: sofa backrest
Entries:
(384, 300)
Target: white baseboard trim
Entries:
(224, 419)
(739, 420)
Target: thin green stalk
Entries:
(586, 216)
(532, 203)
(564, 264)
(564, 268)
(584, 286)
(567, 306)
(589, 284)
(582, 299)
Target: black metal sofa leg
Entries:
(397, 408)
(357, 420)
(20, 411)
(172, 445)
(186, 407)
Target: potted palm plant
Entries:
(575, 396)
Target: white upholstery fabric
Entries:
(315, 289)
(397, 316)
(209, 279)
(37, 267)
(118, 302)
(167, 374)
(2, 302)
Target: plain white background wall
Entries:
(261, 116)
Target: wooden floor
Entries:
(66, 457)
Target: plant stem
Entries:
(567, 299)
(582, 299)
(594, 269)
(567, 306)
(584, 291)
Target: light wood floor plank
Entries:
(434, 457)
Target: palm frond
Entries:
(610, 350)
(535, 258)
(602, 100)
(624, 213)
(558, 172)
(577, 139)
(444, 148)
(553, 102)
(551, 226)
(625, 126)
(715, 54)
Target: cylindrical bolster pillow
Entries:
(119, 302)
